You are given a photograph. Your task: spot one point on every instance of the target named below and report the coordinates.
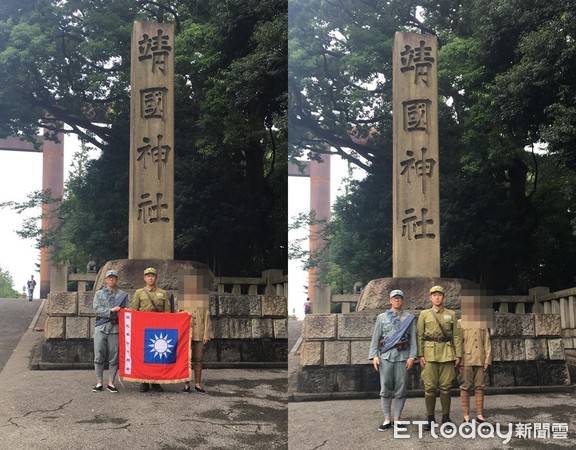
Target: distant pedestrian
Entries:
(31, 284)
(307, 306)
(107, 303)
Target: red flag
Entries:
(154, 347)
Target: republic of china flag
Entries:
(154, 347)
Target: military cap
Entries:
(111, 273)
(150, 270)
(437, 289)
(396, 292)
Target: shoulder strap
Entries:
(439, 323)
(151, 299)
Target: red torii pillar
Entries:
(53, 181)
(319, 173)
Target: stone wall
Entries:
(247, 329)
(528, 350)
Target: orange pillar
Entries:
(318, 293)
(53, 181)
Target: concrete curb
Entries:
(297, 345)
(511, 390)
(37, 315)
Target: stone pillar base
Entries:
(375, 296)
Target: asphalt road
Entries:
(15, 317)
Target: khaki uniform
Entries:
(439, 353)
(154, 300)
(201, 330)
(477, 352)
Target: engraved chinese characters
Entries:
(151, 231)
(416, 232)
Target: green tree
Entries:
(507, 216)
(71, 60)
(7, 285)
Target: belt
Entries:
(433, 339)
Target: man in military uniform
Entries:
(476, 357)
(150, 298)
(393, 351)
(439, 350)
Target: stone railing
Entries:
(85, 280)
(272, 282)
(346, 300)
(563, 303)
(527, 351)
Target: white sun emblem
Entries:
(161, 346)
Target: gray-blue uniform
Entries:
(106, 332)
(393, 362)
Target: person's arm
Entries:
(487, 349)
(457, 339)
(413, 341)
(374, 351)
(208, 332)
(135, 302)
(167, 303)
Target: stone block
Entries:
(54, 328)
(526, 374)
(555, 349)
(569, 332)
(275, 350)
(311, 353)
(568, 343)
(85, 301)
(317, 379)
(240, 328)
(262, 328)
(356, 325)
(536, 349)
(221, 327)
(359, 352)
(63, 304)
(507, 325)
(210, 353)
(230, 351)
(67, 351)
(280, 328)
(92, 325)
(349, 379)
(239, 305)
(370, 379)
(275, 306)
(77, 327)
(513, 349)
(213, 305)
(526, 324)
(502, 375)
(320, 326)
(336, 353)
(553, 373)
(252, 350)
(496, 350)
(547, 324)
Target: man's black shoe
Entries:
(446, 419)
(156, 387)
(428, 426)
(144, 387)
(98, 388)
(385, 426)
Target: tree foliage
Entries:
(506, 128)
(7, 285)
(67, 65)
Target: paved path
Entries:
(351, 424)
(57, 410)
(15, 317)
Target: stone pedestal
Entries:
(416, 290)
